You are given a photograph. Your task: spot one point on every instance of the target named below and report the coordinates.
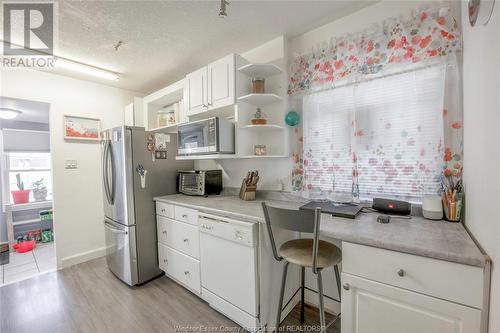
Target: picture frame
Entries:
(81, 128)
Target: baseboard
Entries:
(82, 257)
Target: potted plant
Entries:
(39, 190)
(21, 195)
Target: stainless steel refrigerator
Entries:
(129, 210)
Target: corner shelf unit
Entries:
(260, 70)
(266, 127)
(260, 99)
(273, 103)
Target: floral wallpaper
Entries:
(431, 35)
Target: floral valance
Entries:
(428, 33)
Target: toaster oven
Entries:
(200, 182)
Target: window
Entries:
(32, 167)
(378, 138)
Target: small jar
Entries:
(162, 119)
(171, 117)
(260, 150)
(258, 118)
(258, 85)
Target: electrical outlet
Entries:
(71, 164)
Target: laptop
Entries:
(348, 210)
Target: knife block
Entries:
(247, 192)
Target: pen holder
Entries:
(247, 192)
(452, 209)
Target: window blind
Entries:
(378, 138)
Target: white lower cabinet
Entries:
(180, 267)
(386, 291)
(180, 236)
(369, 306)
(179, 245)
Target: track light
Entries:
(223, 5)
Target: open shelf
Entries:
(260, 70)
(226, 157)
(266, 127)
(263, 156)
(206, 157)
(171, 129)
(260, 99)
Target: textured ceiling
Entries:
(163, 40)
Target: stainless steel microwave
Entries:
(208, 136)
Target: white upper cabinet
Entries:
(197, 91)
(221, 82)
(212, 86)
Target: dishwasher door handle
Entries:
(212, 219)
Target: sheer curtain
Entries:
(377, 138)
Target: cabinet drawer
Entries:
(186, 215)
(165, 209)
(162, 257)
(185, 270)
(180, 236)
(450, 281)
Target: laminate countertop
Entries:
(434, 239)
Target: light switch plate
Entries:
(71, 164)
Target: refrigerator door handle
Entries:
(112, 184)
(105, 171)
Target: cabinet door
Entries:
(369, 306)
(221, 82)
(197, 91)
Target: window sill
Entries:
(31, 205)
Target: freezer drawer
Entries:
(121, 254)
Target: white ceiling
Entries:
(35, 112)
(165, 40)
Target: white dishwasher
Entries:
(229, 267)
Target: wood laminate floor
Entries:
(88, 298)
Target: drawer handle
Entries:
(164, 232)
(186, 272)
(165, 261)
(346, 286)
(184, 216)
(186, 240)
(401, 272)
(163, 210)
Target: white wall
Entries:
(481, 85)
(78, 209)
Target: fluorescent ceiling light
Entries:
(84, 69)
(6, 113)
(74, 65)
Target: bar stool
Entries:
(306, 253)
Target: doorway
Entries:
(26, 217)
